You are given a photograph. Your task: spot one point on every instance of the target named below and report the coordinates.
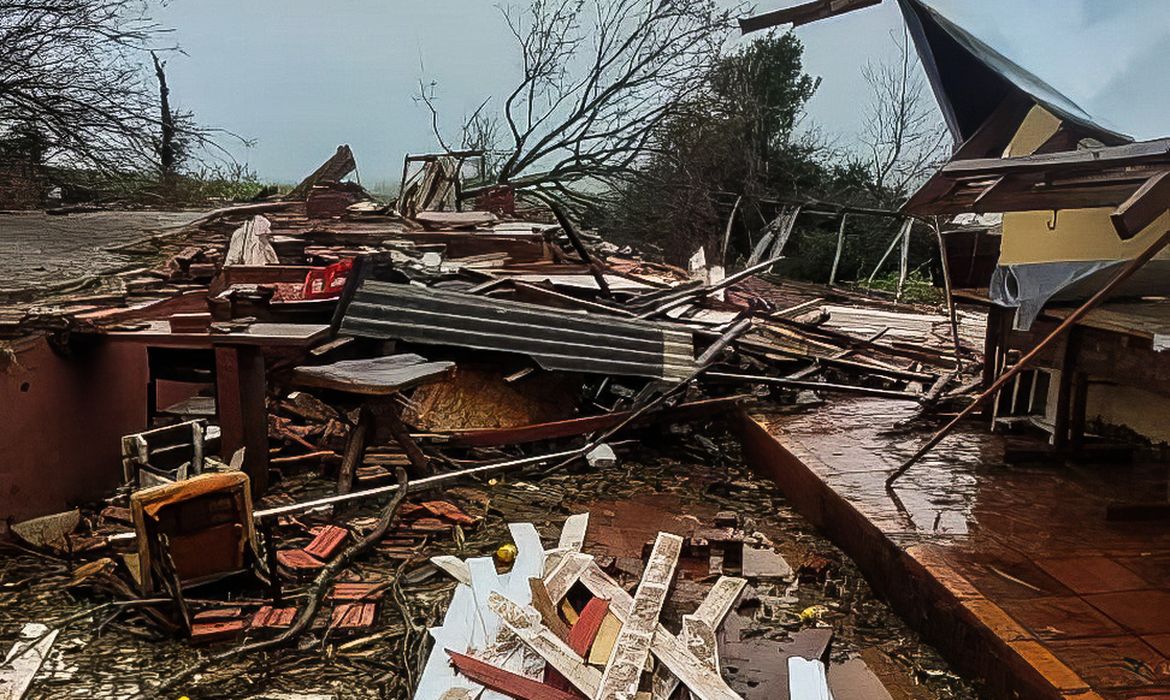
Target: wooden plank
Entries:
(243, 415)
(565, 574)
(511, 684)
(581, 636)
(485, 582)
(525, 624)
(24, 660)
(817, 386)
(438, 677)
(548, 610)
(573, 532)
(720, 600)
(585, 630)
(455, 567)
(603, 643)
(298, 561)
(624, 670)
(216, 631)
(379, 376)
(269, 617)
(802, 14)
(698, 632)
(353, 616)
(579, 426)
(358, 591)
(700, 680)
(1095, 158)
(1150, 201)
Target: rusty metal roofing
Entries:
(557, 339)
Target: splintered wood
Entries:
(515, 634)
(624, 669)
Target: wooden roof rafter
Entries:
(1132, 177)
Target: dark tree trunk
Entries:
(166, 149)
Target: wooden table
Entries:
(377, 380)
(240, 380)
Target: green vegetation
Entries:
(741, 135)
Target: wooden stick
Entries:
(886, 255)
(571, 231)
(818, 386)
(951, 312)
(840, 247)
(355, 449)
(670, 301)
(727, 232)
(904, 264)
(1122, 275)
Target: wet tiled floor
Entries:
(1027, 549)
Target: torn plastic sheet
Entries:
(1029, 287)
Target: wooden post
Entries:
(274, 589)
(840, 247)
(421, 465)
(1081, 311)
(1080, 409)
(992, 341)
(727, 233)
(893, 244)
(904, 264)
(355, 449)
(951, 311)
(1064, 390)
(595, 267)
(243, 416)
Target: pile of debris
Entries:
(349, 353)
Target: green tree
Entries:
(735, 136)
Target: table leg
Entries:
(243, 416)
(355, 449)
(419, 461)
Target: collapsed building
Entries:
(295, 409)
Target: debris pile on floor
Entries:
(331, 354)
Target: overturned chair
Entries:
(193, 531)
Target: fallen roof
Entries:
(970, 79)
(557, 339)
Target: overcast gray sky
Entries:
(302, 76)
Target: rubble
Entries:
(333, 356)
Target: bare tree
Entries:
(598, 77)
(904, 134)
(73, 72)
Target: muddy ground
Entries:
(670, 483)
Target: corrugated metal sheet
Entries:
(557, 339)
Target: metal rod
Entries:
(683, 297)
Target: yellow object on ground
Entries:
(507, 553)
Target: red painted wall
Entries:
(61, 422)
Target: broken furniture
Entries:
(377, 382)
(239, 372)
(601, 653)
(164, 455)
(193, 531)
